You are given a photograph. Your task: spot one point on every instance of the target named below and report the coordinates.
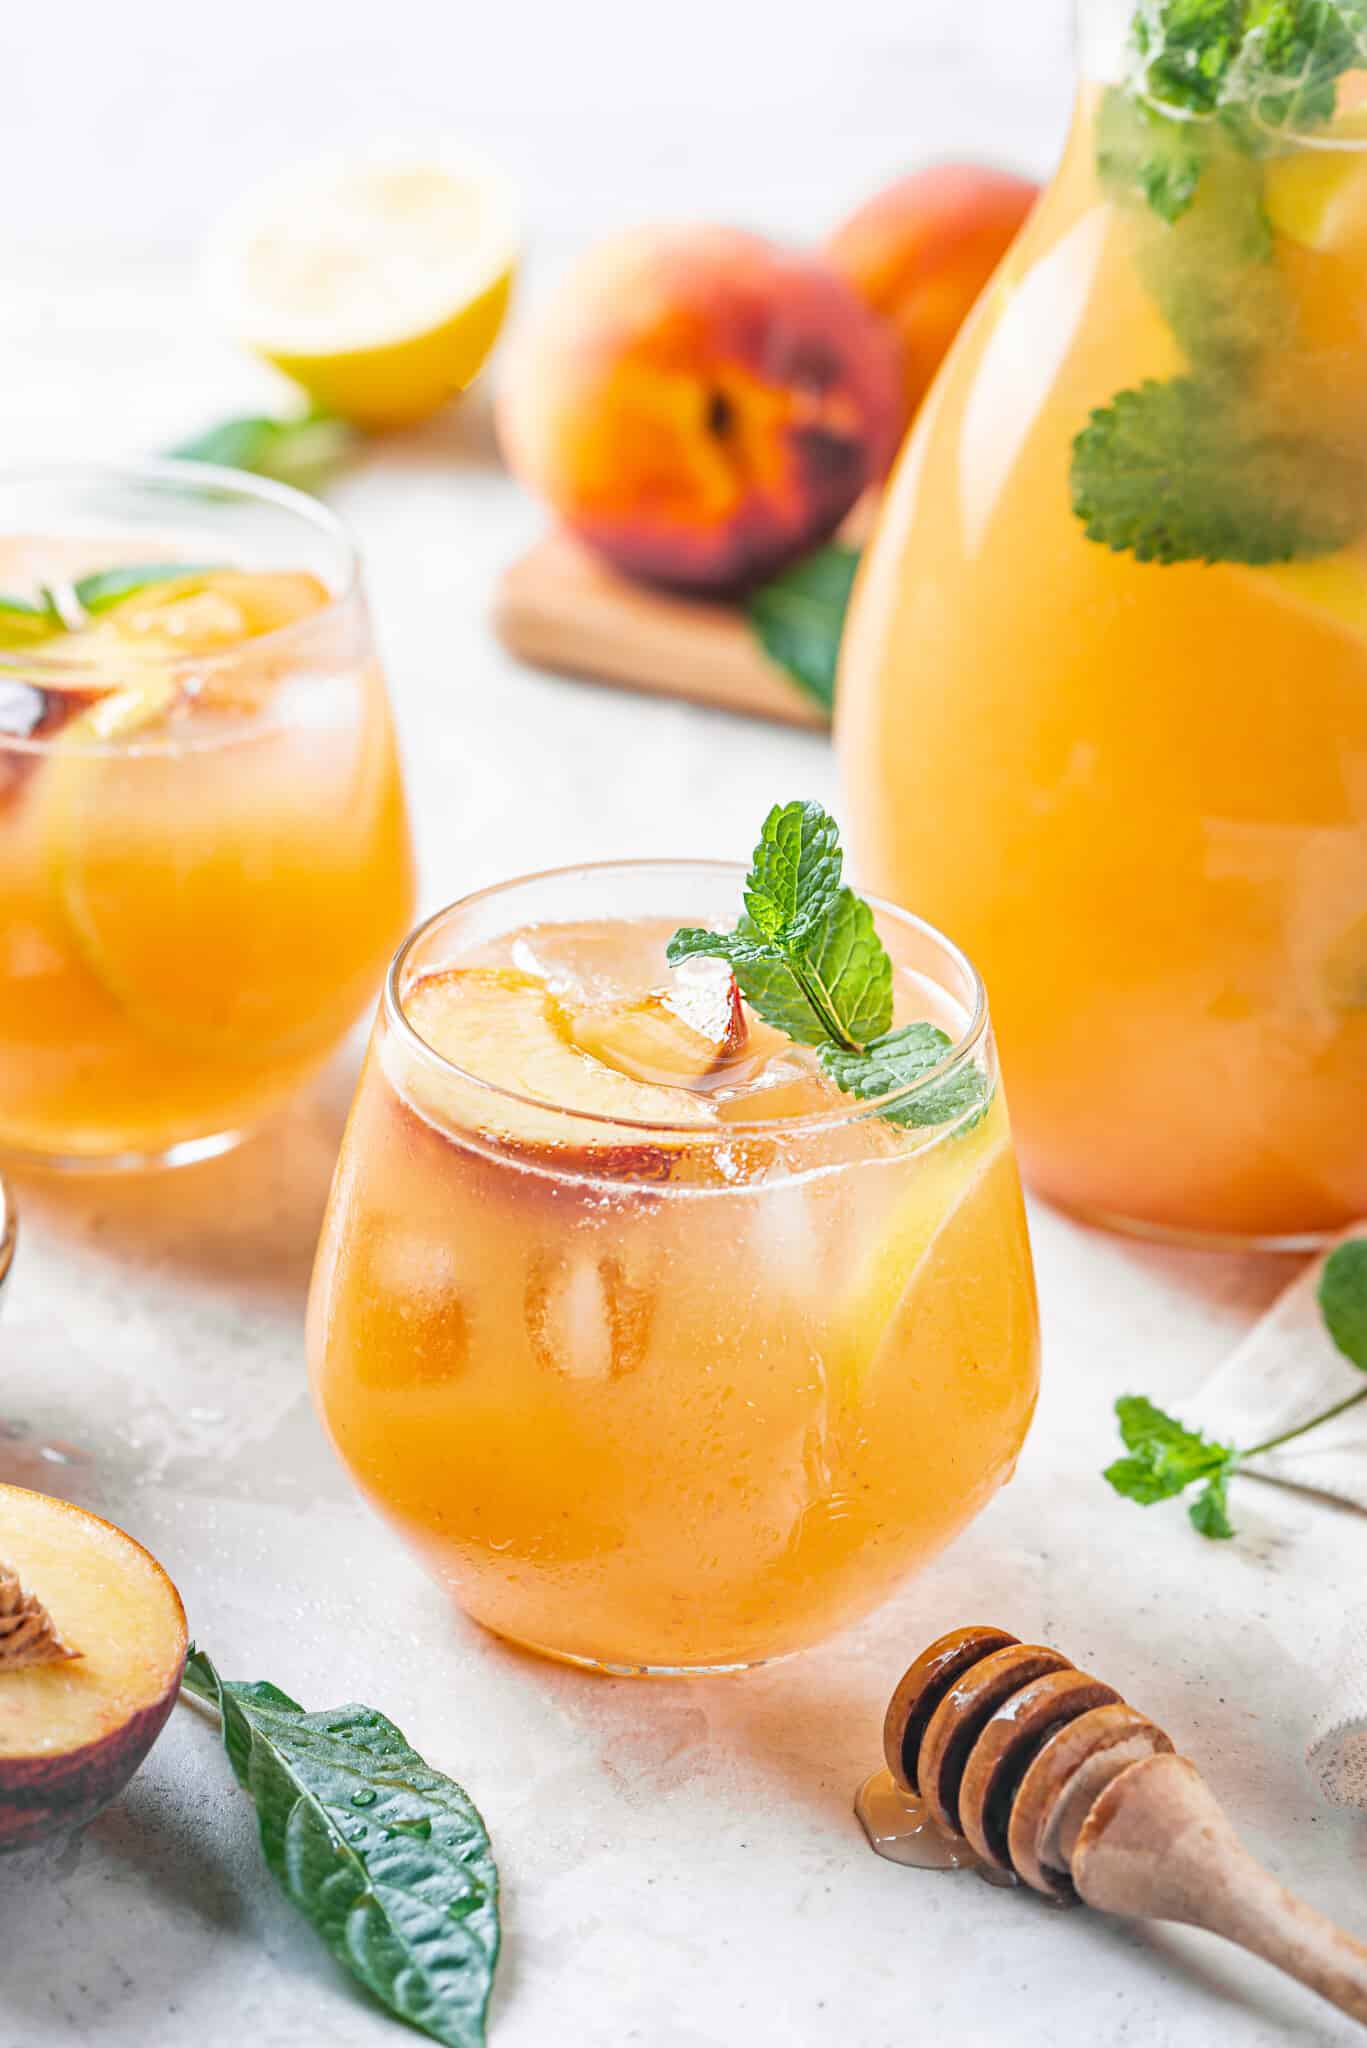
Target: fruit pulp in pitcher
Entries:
(668, 1376)
(203, 852)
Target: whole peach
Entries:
(920, 251)
(701, 406)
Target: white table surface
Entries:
(680, 1864)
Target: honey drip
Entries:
(899, 1828)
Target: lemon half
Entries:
(378, 281)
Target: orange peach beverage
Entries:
(662, 1353)
(204, 858)
(1095, 724)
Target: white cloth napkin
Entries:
(1286, 1370)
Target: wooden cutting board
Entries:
(560, 608)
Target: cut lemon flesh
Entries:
(941, 1179)
(182, 843)
(1334, 588)
(378, 281)
(1317, 194)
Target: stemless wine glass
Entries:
(204, 856)
(655, 1379)
(1103, 696)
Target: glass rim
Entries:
(855, 1109)
(196, 478)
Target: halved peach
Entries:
(76, 1724)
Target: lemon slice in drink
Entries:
(938, 1184)
(1317, 194)
(378, 281)
(1333, 587)
(158, 841)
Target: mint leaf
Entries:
(1343, 1299)
(1186, 49)
(1252, 65)
(805, 953)
(302, 451)
(843, 973)
(1209, 1512)
(799, 617)
(1293, 54)
(794, 872)
(387, 1858)
(1166, 1456)
(898, 1060)
(1178, 472)
(1145, 155)
(100, 592)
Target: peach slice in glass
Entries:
(684, 1036)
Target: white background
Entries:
(680, 1865)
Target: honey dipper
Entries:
(1046, 1774)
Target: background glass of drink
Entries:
(204, 855)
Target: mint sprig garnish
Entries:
(388, 1859)
(808, 959)
(1165, 1457)
(66, 607)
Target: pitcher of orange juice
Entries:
(1103, 696)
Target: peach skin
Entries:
(700, 406)
(920, 251)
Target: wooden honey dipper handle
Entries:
(1040, 1771)
(1157, 1846)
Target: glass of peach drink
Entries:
(1116, 614)
(663, 1353)
(204, 857)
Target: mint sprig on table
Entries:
(1201, 468)
(808, 959)
(1165, 1457)
(388, 1859)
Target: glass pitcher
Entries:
(1103, 696)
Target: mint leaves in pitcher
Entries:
(1237, 460)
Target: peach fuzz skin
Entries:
(700, 406)
(920, 251)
